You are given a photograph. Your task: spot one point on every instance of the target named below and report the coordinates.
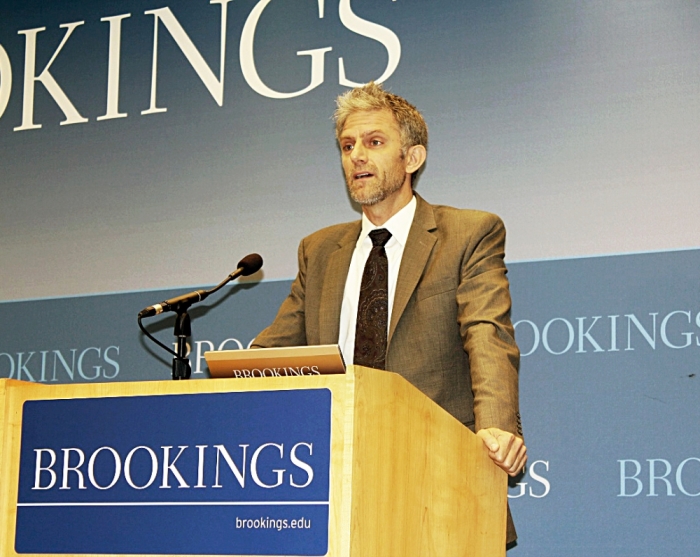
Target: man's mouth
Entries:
(362, 175)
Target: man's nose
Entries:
(359, 153)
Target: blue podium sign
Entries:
(243, 473)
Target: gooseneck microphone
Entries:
(250, 264)
(180, 304)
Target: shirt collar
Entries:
(399, 225)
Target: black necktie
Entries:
(373, 306)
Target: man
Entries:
(448, 328)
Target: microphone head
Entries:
(250, 264)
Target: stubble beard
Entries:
(378, 189)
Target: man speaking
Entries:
(414, 288)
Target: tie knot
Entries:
(379, 237)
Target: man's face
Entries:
(373, 163)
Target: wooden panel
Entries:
(406, 478)
(4, 467)
(423, 483)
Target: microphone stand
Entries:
(181, 368)
(183, 329)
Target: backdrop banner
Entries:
(145, 143)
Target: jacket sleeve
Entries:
(484, 303)
(289, 326)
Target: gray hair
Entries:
(373, 96)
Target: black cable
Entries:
(154, 339)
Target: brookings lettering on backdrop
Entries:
(252, 468)
(677, 329)
(164, 18)
(92, 364)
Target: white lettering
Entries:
(22, 367)
(656, 474)
(587, 335)
(679, 477)
(200, 466)
(5, 80)
(372, 31)
(96, 368)
(303, 465)
(541, 479)
(545, 337)
(613, 333)
(522, 486)
(254, 466)
(169, 467)
(247, 58)
(70, 370)
(67, 468)
(664, 336)
(127, 467)
(117, 468)
(653, 477)
(200, 354)
(631, 318)
(113, 363)
(240, 476)
(45, 77)
(44, 354)
(38, 469)
(624, 478)
(214, 86)
(523, 489)
(115, 38)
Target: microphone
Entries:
(250, 264)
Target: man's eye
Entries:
(347, 147)
(376, 142)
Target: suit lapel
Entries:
(334, 285)
(419, 245)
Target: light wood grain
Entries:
(423, 484)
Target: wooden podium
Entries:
(406, 479)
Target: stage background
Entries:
(578, 123)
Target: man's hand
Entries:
(508, 451)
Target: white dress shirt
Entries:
(399, 225)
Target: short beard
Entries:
(391, 183)
(375, 194)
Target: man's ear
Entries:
(415, 157)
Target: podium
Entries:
(360, 464)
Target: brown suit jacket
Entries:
(450, 333)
